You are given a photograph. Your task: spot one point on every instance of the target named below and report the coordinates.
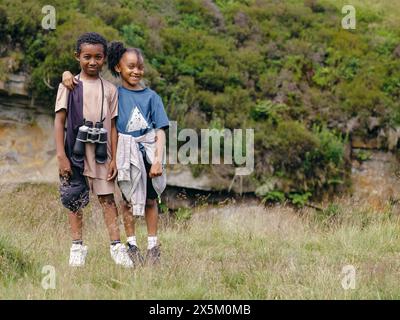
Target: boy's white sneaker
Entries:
(119, 253)
(77, 255)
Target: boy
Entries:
(94, 99)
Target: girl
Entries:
(140, 110)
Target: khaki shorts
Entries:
(100, 186)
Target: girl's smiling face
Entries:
(91, 58)
(131, 69)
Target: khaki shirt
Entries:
(91, 112)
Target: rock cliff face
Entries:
(379, 137)
(27, 152)
(16, 84)
(26, 141)
(376, 180)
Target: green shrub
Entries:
(273, 196)
(183, 214)
(299, 199)
(362, 155)
(134, 35)
(268, 110)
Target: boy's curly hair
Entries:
(116, 50)
(92, 38)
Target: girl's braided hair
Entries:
(116, 50)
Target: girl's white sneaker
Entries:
(119, 254)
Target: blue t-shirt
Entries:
(139, 111)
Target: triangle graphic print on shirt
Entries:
(136, 121)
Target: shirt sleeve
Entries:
(62, 98)
(158, 114)
(114, 102)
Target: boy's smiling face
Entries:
(91, 58)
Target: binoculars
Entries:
(89, 134)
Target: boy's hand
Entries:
(112, 170)
(156, 169)
(68, 80)
(64, 167)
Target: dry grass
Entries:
(230, 252)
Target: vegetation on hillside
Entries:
(285, 68)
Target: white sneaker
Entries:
(120, 255)
(77, 255)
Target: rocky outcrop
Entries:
(217, 178)
(371, 134)
(15, 84)
(386, 139)
(376, 181)
(27, 151)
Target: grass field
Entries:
(227, 252)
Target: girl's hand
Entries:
(64, 167)
(112, 170)
(68, 80)
(155, 170)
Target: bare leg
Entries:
(75, 222)
(151, 216)
(110, 215)
(129, 220)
